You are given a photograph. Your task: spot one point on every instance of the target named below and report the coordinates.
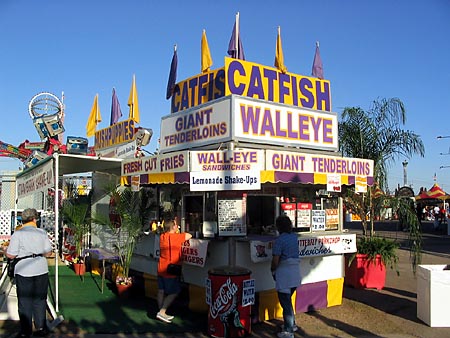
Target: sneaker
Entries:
(294, 328)
(285, 334)
(163, 317)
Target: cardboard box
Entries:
(433, 294)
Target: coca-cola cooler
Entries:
(229, 293)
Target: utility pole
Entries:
(405, 175)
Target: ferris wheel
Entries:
(47, 113)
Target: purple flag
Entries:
(232, 46)
(317, 68)
(173, 74)
(116, 113)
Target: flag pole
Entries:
(236, 43)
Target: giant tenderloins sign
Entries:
(317, 163)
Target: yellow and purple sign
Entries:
(252, 80)
(118, 133)
(317, 163)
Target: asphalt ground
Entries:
(391, 312)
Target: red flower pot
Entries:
(364, 273)
(79, 268)
(123, 290)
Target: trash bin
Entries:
(433, 294)
(229, 293)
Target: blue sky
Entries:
(369, 49)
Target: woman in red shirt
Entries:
(169, 286)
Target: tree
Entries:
(378, 134)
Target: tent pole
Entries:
(56, 162)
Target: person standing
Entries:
(31, 274)
(169, 286)
(285, 269)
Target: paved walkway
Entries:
(391, 312)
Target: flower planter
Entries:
(79, 268)
(365, 274)
(123, 290)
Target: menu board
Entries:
(231, 214)
(318, 220)
(332, 219)
(289, 209)
(304, 215)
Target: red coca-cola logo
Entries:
(223, 299)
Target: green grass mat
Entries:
(84, 306)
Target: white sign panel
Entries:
(317, 163)
(38, 179)
(327, 245)
(231, 214)
(225, 180)
(224, 160)
(318, 220)
(271, 123)
(334, 183)
(260, 251)
(194, 252)
(168, 163)
(248, 292)
(206, 124)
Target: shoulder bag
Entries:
(173, 269)
(11, 263)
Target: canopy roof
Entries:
(436, 192)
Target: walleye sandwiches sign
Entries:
(241, 119)
(252, 80)
(226, 170)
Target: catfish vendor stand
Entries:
(242, 145)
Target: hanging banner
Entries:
(225, 180)
(327, 245)
(39, 179)
(194, 252)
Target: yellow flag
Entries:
(206, 55)
(94, 118)
(133, 102)
(279, 58)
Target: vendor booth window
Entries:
(261, 213)
(193, 212)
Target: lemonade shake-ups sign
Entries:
(40, 178)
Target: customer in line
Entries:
(285, 269)
(31, 274)
(169, 286)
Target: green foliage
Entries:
(373, 246)
(132, 208)
(377, 134)
(76, 215)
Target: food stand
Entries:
(242, 145)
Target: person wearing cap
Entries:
(31, 274)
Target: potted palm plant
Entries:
(131, 209)
(76, 216)
(378, 134)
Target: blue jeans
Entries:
(32, 302)
(288, 311)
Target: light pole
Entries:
(405, 176)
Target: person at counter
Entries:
(169, 285)
(285, 269)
